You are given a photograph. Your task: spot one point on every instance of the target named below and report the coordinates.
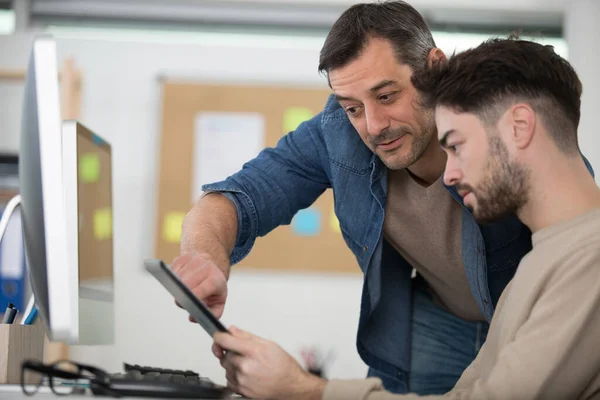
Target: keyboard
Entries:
(144, 381)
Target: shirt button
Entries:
(365, 248)
(485, 301)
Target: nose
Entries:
(452, 174)
(377, 120)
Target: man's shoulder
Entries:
(581, 233)
(344, 147)
(333, 115)
(333, 109)
(571, 247)
(331, 118)
(585, 239)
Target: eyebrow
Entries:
(382, 84)
(375, 88)
(341, 98)
(444, 138)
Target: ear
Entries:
(435, 56)
(522, 118)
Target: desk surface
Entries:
(14, 392)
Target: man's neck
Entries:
(559, 192)
(430, 166)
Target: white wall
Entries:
(582, 33)
(524, 5)
(121, 101)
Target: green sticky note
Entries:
(89, 168)
(103, 223)
(294, 116)
(172, 227)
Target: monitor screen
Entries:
(94, 192)
(87, 167)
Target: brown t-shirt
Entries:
(424, 224)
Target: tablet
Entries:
(184, 296)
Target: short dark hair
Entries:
(487, 79)
(395, 21)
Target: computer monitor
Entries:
(72, 309)
(42, 198)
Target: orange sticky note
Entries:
(89, 168)
(172, 227)
(103, 223)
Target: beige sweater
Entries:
(544, 339)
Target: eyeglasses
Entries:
(64, 377)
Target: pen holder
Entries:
(17, 343)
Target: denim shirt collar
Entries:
(379, 174)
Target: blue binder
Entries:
(13, 275)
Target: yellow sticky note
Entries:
(172, 227)
(294, 116)
(103, 223)
(89, 168)
(334, 223)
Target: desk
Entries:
(13, 392)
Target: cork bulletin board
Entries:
(312, 242)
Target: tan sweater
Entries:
(544, 339)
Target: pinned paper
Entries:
(334, 223)
(307, 222)
(89, 168)
(172, 227)
(294, 116)
(103, 223)
(223, 142)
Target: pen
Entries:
(13, 315)
(28, 308)
(30, 318)
(8, 313)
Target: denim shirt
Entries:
(327, 152)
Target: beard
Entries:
(504, 189)
(421, 138)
